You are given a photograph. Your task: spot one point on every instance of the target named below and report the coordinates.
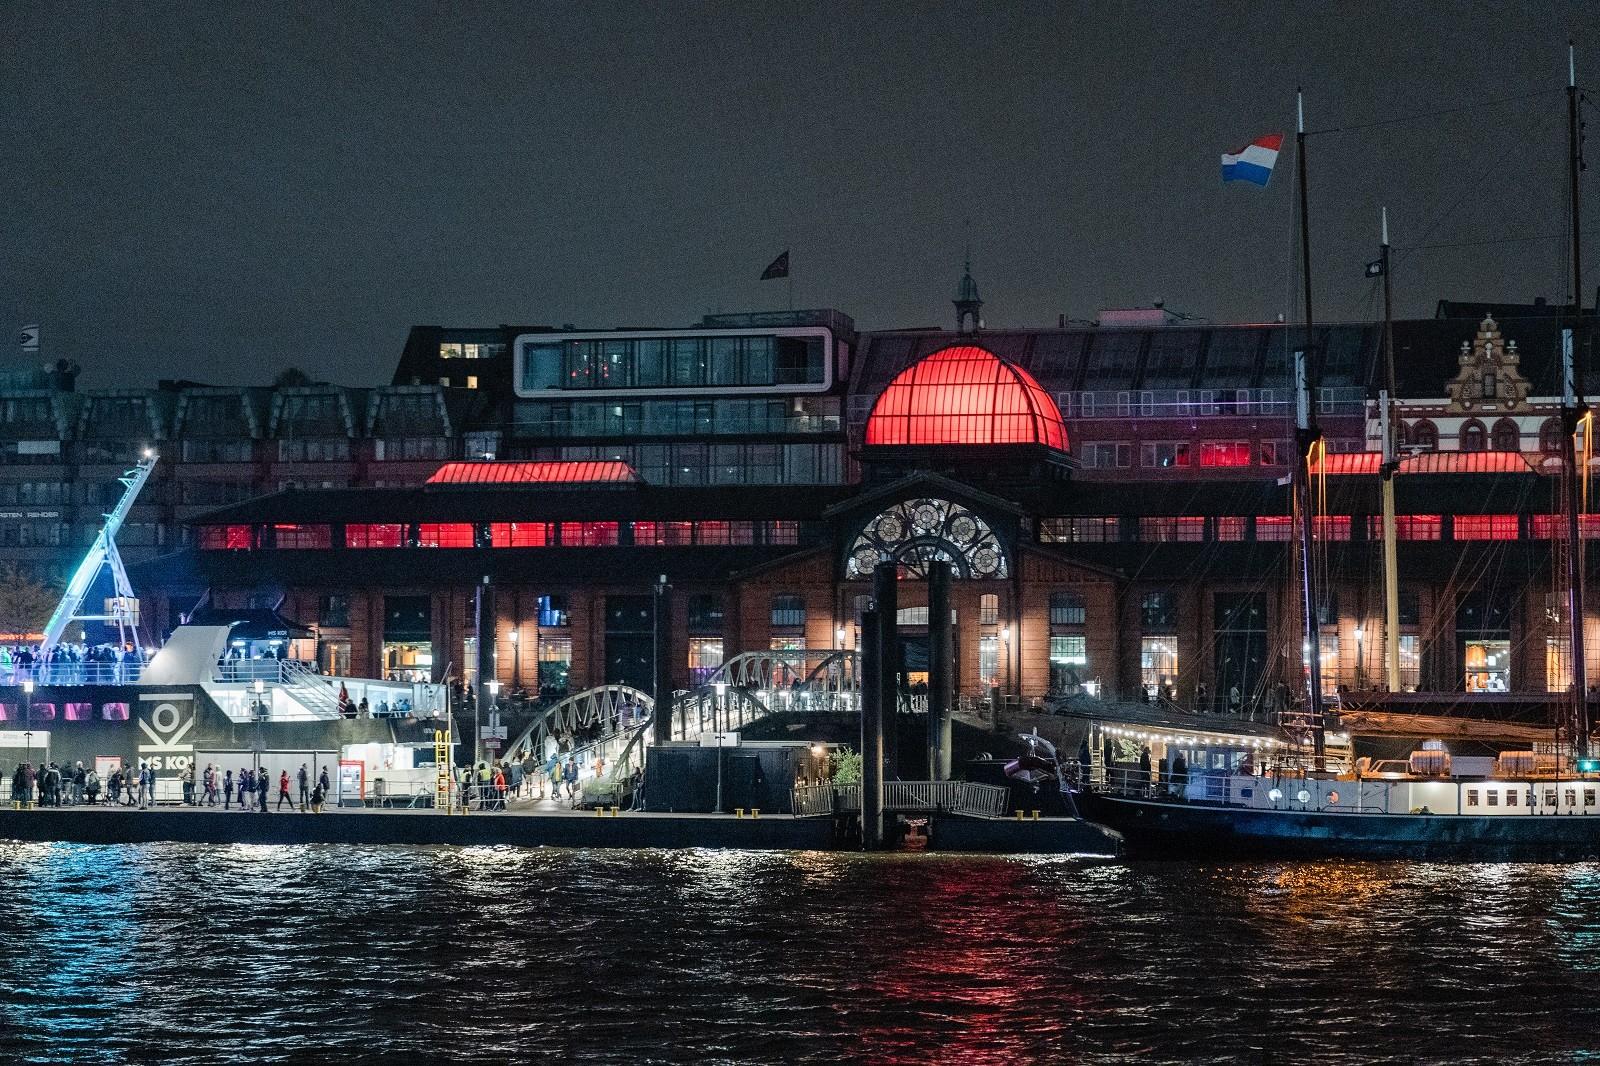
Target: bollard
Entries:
(614, 811)
(599, 812)
(738, 812)
(1019, 815)
(755, 812)
(1036, 816)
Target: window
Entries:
(1424, 436)
(988, 609)
(555, 664)
(1473, 437)
(292, 536)
(1550, 436)
(705, 655)
(445, 535)
(333, 611)
(1274, 527)
(1079, 530)
(1407, 527)
(1328, 662)
(388, 535)
(588, 534)
(1224, 453)
(1185, 529)
(1557, 664)
(1069, 660)
(236, 538)
(1410, 663)
(1165, 454)
(705, 612)
(1269, 453)
(1106, 455)
(1487, 665)
(1158, 664)
(1507, 437)
(553, 611)
(788, 611)
(1158, 611)
(1472, 797)
(1491, 386)
(1550, 797)
(1066, 609)
(1331, 526)
(1493, 796)
(659, 534)
(988, 660)
(1231, 527)
(1513, 797)
(1486, 527)
(781, 532)
(520, 534)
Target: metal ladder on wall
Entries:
(441, 771)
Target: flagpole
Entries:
(1391, 565)
(788, 278)
(1574, 410)
(1306, 436)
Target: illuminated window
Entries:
(988, 660)
(555, 663)
(1224, 453)
(1487, 665)
(1164, 454)
(520, 534)
(1486, 527)
(1407, 527)
(588, 534)
(965, 395)
(387, 535)
(705, 655)
(1158, 665)
(1473, 436)
(1328, 662)
(916, 532)
(1188, 529)
(663, 534)
(1069, 660)
(1410, 663)
(1550, 436)
(788, 611)
(114, 712)
(781, 532)
(1269, 453)
(1080, 530)
(472, 381)
(293, 536)
(988, 609)
(445, 535)
(1158, 611)
(1274, 527)
(237, 538)
(1331, 527)
(1557, 664)
(721, 533)
(1231, 527)
(552, 611)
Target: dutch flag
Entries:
(1253, 162)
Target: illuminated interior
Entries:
(965, 395)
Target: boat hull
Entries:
(1157, 829)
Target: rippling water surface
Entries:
(352, 954)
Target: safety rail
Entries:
(903, 797)
(606, 709)
(73, 673)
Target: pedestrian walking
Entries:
(188, 786)
(263, 788)
(227, 790)
(304, 777)
(114, 785)
(283, 791)
(79, 779)
(570, 776)
(91, 785)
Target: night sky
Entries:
(218, 191)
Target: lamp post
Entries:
(27, 720)
(1005, 644)
(492, 686)
(515, 636)
(721, 688)
(257, 716)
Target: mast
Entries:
(1306, 436)
(1391, 462)
(1573, 408)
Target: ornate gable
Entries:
(1489, 378)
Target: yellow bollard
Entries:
(1036, 816)
(615, 811)
(599, 812)
(1019, 816)
(755, 812)
(738, 812)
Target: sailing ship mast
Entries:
(1573, 409)
(1391, 462)
(1306, 437)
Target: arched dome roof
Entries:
(965, 394)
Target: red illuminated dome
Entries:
(965, 395)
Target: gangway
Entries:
(123, 607)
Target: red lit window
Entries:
(1230, 528)
(1331, 527)
(965, 395)
(718, 533)
(542, 472)
(445, 535)
(1274, 527)
(663, 534)
(1407, 527)
(1172, 529)
(226, 537)
(1486, 527)
(78, 712)
(782, 532)
(374, 536)
(588, 534)
(1095, 529)
(1224, 453)
(289, 536)
(114, 712)
(519, 534)
(1554, 527)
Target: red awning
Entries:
(511, 472)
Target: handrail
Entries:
(68, 672)
(956, 797)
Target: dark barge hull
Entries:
(1171, 830)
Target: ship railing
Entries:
(72, 673)
(906, 797)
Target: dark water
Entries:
(310, 954)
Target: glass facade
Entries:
(677, 362)
(965, 395)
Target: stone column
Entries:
(872, 715)
(661, 666)
(484, 702)
(941, 656)
(885, 595)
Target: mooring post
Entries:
(885, 601)
(871, 736)
(940, 674)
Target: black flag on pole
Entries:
(778, 268)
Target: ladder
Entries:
(441, 775)
(123, 607)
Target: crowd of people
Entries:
(52, 785)
(69, 664)
(252, 789)
(489, 785)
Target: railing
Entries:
(608, 709)
(956, 797)
(73, 673)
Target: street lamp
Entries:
(492, 686)
(721, 706)
(27, 720)
(838, 637)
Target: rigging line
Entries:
(1419, 116)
